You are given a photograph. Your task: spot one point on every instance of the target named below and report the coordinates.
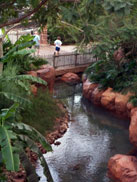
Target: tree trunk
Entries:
(1, 55)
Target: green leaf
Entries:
(31, 78)
(32, 145)
(9, 154)
(6, 113)
(16, 98)
(32, 133)
(15, 49)
(24, 52)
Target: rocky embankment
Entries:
(121, 168)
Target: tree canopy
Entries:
(15, 11)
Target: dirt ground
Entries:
(49, 49)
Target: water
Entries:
(90, 141)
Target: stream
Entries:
(91, 139)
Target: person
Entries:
(57, 44)
(37, 41)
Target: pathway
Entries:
(47, 50)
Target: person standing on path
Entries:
(57, 44)
(37, 41)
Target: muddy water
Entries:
(92, 138)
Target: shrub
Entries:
(42, 113)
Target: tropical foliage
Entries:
(13, 134)
(21, 54)
(16, 88)
(114, 43)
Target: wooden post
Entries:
(54, 57)
(75, 58)
(17, 34)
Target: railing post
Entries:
(54, 57)
(75, 58)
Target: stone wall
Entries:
(121, 168)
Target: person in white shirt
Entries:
(37, 42)
(57, 44)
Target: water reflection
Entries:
(90, 141)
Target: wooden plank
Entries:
(73, 59)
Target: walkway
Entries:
(47, 50)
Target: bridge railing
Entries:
(72, 59)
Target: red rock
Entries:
(133, 127)
(108, 99)
(19, 180)
(70, 78)
(123, 168)
(133, 111)
(63, 128)
(32, 73)
(121, 103)
(129, 108)
(47, 73)
(88, 88)
(34, 89)
(96, 96)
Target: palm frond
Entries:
(16, 98)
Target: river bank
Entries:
(121, 167)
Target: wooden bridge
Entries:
(70, 62)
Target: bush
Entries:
(42, 113)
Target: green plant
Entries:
(13, 134)
(43, 112)
(16, 88)
(21, 55)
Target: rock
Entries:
(88, 88)
(57, 143)
(47, 73)
(129, 108)
(133, 111)
(96, 96)
(108, 99)
(123, 168)
(133, 127)
(70, 78)
(19, 180)
(63, 128)
(32, 73)
(121, 103)
(34, 89)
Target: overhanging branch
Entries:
(24, 16)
